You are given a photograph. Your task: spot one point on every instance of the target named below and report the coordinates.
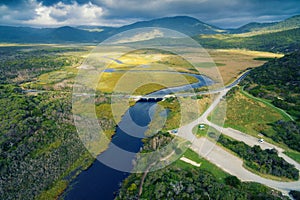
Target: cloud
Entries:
(56, 14)
(237, 12)
(66, 14)
(230, 13)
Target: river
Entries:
(102, 182)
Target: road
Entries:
(225, 160)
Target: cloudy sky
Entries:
(222, 13)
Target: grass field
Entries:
(140, 83)
(285, 115)
(248, 115)
(146, 59)
(132, 73)
(232, 62)
(205, 165)
(221, 65)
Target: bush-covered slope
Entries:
(278, 81)
(283, 41)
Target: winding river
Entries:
(102, 182)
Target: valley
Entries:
(74, 124)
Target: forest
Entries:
(37, 133)
(175, 183)
(38, 139)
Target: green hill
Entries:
(278, 81)
(287, 24)
(284, 41)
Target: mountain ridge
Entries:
(286, 24)
(86, 34)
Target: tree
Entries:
(233, 181)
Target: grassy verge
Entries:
(205, 165)
(291, 153)
(294, 155)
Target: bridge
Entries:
(154, 98)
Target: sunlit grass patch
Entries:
(248, 115)
(129, 82)
(205, 165)
(232, 62)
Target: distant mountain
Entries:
(45, 35)
(290, 23)
(187, 25)
(70, 34)
(89, 34)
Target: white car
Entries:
(261, 140)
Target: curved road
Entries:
(225, 160)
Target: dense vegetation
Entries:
(37, 139)
(22, 63)
(264, 161)
(175, 183)
(184, 181)
(285, 132)
(40, 151)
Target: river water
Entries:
(100, 182)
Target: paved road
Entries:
(228, 162)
